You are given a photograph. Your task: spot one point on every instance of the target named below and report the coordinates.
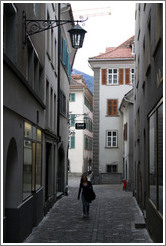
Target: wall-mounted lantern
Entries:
(32, 27)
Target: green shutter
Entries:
(72, 142)
(72, 120)
(72, 97)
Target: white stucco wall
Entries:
(111, 155)
(79, 154)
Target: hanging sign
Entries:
(80, 126)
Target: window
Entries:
(88, 104)
(132, 76)
(112, 76)
(72, 97)
(35, 71)
(48, 39)
(72, 142)
(156, 157)
(112, 168)
(112, 107)
(112, 139)
(116, 76)
(10, 31)
(65, 57)
(36, 9)
(89, 124)
(62, 103)
(88, 142)
(32, 166)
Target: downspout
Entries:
(59, 64)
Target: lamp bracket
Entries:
(36, 26)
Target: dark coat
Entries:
(86, 191)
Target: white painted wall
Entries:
(110, 155)
(78, 155)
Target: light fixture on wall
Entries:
(32, 27)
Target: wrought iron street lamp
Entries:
(77, 34)
(32, 27)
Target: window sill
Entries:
(111, 147)
(112, 84)
(112, 115)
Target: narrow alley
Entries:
(114, 218)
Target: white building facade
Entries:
(80, 140)
(113, 78)
(127, 110)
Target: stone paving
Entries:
(112, 219)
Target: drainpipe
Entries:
(59, 64)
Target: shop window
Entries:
(156, 157)
(32, 167)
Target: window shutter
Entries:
(127, 76)
(112, 107)
(104, 76)
(72, 142)
(72, 123)
(108, 107)
(120, 76)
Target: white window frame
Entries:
(111, 76)
(111, 139)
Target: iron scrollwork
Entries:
(36, 26)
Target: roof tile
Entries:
(122, 51)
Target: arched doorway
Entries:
(11, 186)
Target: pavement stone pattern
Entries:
(112, 218)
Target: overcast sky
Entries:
(103, 31)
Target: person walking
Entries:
(84, 188)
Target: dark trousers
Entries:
(85, 205)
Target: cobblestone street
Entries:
(112, 219)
